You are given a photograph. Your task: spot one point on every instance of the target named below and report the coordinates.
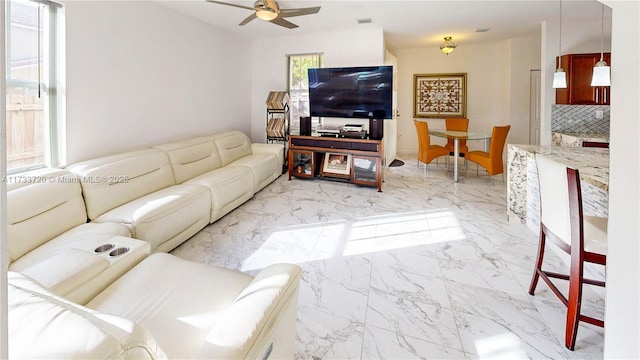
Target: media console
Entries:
(357, 161)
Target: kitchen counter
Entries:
(523, 198)
(576, 139)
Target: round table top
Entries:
(451, 134)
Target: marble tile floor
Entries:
(427, 269)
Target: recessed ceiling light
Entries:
(364, 21)
(482, 29)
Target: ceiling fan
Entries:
(270, 11)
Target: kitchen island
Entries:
(523, 197)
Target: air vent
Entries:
(364, 21)
(482, 29)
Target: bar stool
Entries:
(584, 238)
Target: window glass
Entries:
(31, 79)
(299, 84)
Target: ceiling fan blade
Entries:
(282, 22)
(271, 4)
(230, 4)
(298, 12)
(249, 18)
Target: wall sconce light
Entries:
(560, 76)
(448, 46)
(601, 71)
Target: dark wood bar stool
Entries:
(584, 238)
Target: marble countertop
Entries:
(593, 163)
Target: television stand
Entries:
(356, 161)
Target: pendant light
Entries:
(560, 76)
(601, 71)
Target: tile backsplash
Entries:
(579, 119)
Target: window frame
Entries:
(318, 58)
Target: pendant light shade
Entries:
(560, 76)
(601, 71)
(560, 79)
(601, 74)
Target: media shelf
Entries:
(356, 161)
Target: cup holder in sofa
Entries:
(119, 251)
(103, 248)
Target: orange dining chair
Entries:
(457, 124)
(492, 160)
(584, 238)
(426, 151)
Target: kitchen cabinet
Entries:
(579, 68)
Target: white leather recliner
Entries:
(163, 307)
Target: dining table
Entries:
(456, 136)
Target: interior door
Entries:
(534, 107)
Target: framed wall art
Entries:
(439, 95)
(337, 165)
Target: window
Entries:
(299, 84)
(32, 81)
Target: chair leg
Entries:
(539, 259)
(576, 278)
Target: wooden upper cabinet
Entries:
(579, 68)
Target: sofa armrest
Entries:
(255, 314)
(66, 270)
(276, 149)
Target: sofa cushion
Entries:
(40, 206)
(264, 168)
(42, 325)
(206, 311)
(111, 181)
(164, 218)
(229, 187)
(192, 157)
(232, 145)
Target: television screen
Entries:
(351, 92)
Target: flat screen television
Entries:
(351, 92)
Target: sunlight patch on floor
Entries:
(313, 242)
(501, 346)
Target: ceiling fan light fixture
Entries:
(266, 15)
(448, 46)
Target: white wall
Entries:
(139, 74)
(622, 314)
(269, 62)
(4, 252)
(524, 56)
(491, 74)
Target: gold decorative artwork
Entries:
(439, 95)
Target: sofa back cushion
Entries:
(45, 326)
(232, 145)
(191, 158)
(41, 205)
(111, 181)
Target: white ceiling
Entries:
(406, 24)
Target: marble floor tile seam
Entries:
(410, 336)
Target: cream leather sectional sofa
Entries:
(78, 236)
